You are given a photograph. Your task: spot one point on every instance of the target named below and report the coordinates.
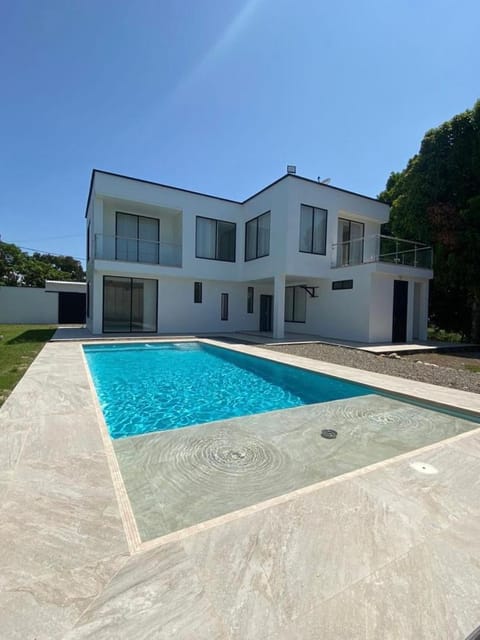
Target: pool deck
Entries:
(75, 333)
(389, 551)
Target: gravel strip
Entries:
(396, 366)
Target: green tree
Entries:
(19, 269)
(436, 200)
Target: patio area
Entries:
(390, 550)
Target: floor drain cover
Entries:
(330, 434)
(424, 467)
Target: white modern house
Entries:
(299, 256)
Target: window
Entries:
(129, 304)
(295, 304)
(215, 239)
(224, 307)
(250, 294)
(257, 237)
(350, 237)
(313, 230)
(88, 299)
(137, 238)
(342, 284)
(197, 291)
(88, 242)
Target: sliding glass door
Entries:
(129, 305)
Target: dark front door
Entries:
(71, 308)
(400, 301)
(266, 306)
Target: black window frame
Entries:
(138, 239)
(131, 284)
(197, 292)
(311, 251)
(257, 255)
(250, 299)
(216, 220)
(87, 311)
(295, 287)
(341, 285)
(342, 241)
(224, 306)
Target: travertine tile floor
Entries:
(384, 552)
(194, 474)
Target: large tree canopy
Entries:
(19, 269)
(436, 200)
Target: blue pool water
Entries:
(155, 387)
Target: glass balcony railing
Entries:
(166, 254)
(378, 248)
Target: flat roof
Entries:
(207, 195)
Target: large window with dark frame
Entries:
(295, 304)
(313, 230)
(129, 305)
(257, 237)
(215, 239)
(137, 238)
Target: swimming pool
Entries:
(157, 387)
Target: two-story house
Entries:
(299, 256)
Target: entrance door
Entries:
(266, 307)
(400, 302)
(71, 308)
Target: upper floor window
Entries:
(350, 239)
(137, 238)
(215, 239)
(313, 230)
(257, 237)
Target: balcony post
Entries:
(279, 306)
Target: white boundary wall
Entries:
(28, 305)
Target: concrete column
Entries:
(423, 323)
(279, 306)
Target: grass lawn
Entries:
(19, 344)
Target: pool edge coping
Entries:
(134, 541)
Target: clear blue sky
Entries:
(217, 96)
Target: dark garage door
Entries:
(71, 308)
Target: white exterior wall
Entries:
(177, 312)
(381, 308)
(363, 313)
(338, 205)
(343, 313)
(274, 200)
(28, 305)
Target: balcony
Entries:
(166, 254)
(378, 248)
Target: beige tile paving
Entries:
(383, 552)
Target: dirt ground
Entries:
(463, 360)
